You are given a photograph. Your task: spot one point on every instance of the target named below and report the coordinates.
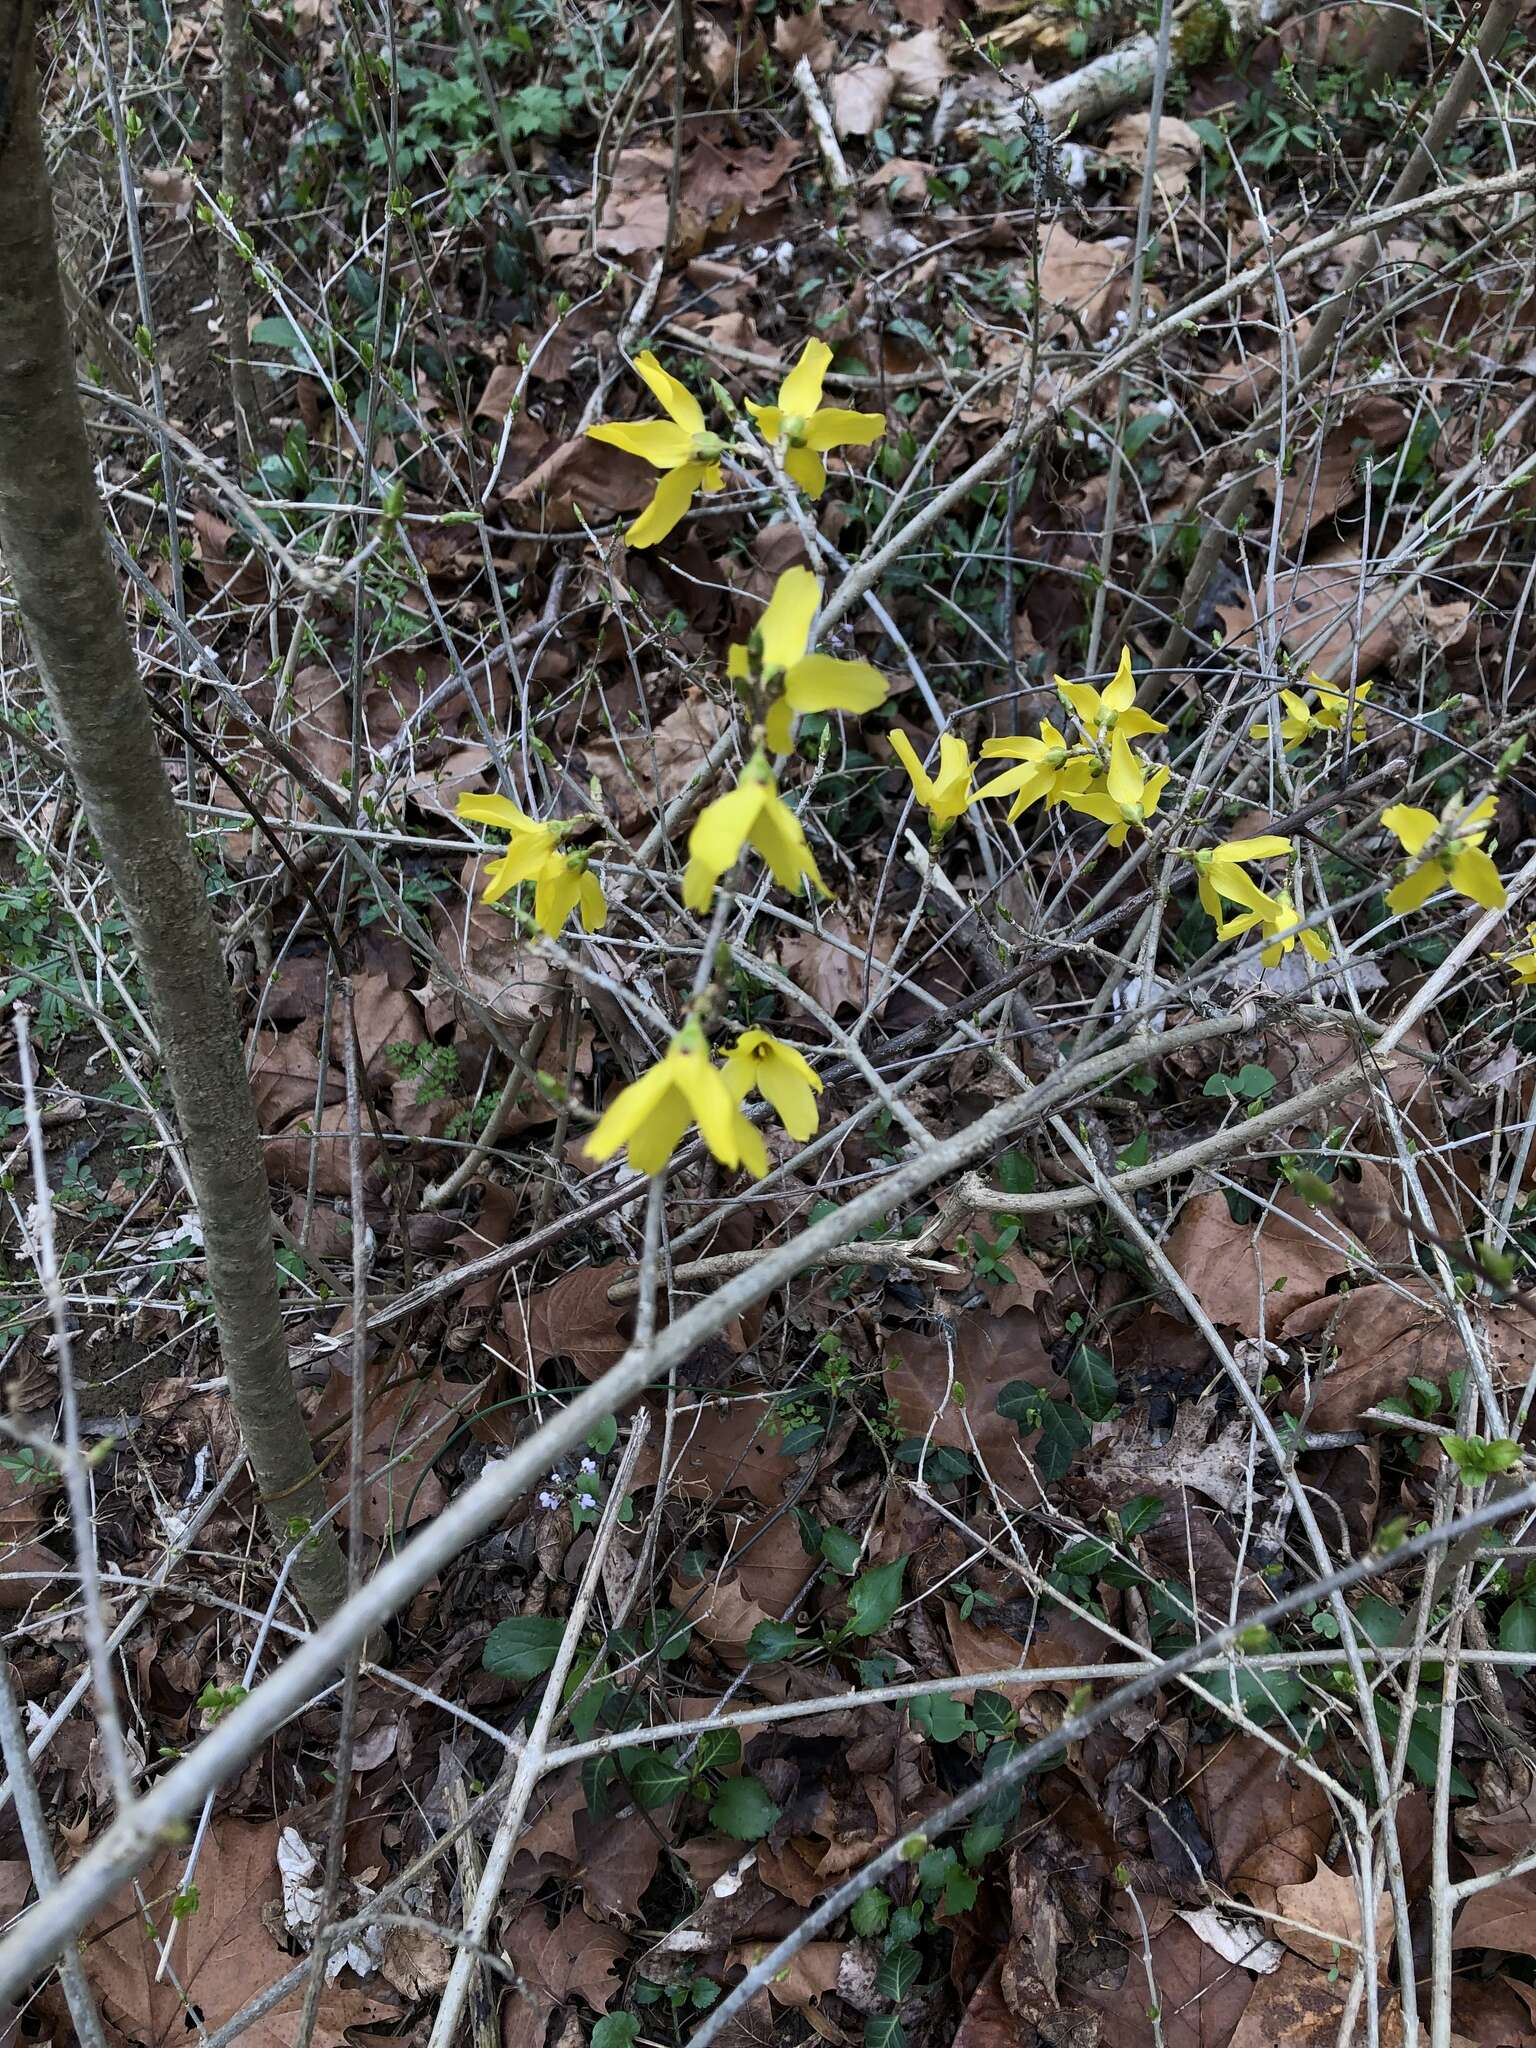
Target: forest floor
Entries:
(1241, 1305)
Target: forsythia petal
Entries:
(822, 682)
(1474, 875)
(704, 1089)
(1411, 827)
(834, 428)
(1415, 889)
(675, 399)
(1121, 694)
(803, 466)
(785, 626)
(661, 443)
(800, 393)
(716, 840)
(629, 1112)
(674, 494)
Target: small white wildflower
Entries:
(589, 1464)
(549, 1500)
(586, 1500)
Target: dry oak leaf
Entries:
(1086, 279)
(797, 35)
(287, 1155)
(1383, 1336)
(576, 1955)
(1490, 2012)
(405, 1426)
(1129, 1461)
(1178, 150)
(1201, 1997)
(223, 1953)
(1252, 1276)
(919, 64)
(639, 771)
(1503, 1917)
(833, 963)
(722, 1446)
(922, 1371)
(285, 1073)
(1321, 1919)
(485, 953)
(721, 1615)
(26, 1566)
(1298, 2007)
(1315, 613)
(809, 1976)
(572, 1318)
(861, 98)
(1267, 1822)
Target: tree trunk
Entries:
(54, 546)
(232, 295)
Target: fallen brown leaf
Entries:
(919, 64)
(1326, 1909)
(861, 97)
(223, 1955)
(1087, 279)
(1252, 1276)
(1266, 1821)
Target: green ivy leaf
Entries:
(898, 1973)
(654, 1779)
(771, 1641)
(1140, 1513)
(1092, 1380)
(742, 1809)
(874, 1597)
(982, 1839)
(939, 1717)
(885, 2031)
(616, 2030)
(523, 1648)
(993, 1716)
(719, 1749)
(1517, 1627)
(870, 1912)
(840, 1550)
(1084, 1559)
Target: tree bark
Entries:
(232, 293)
(54, 545)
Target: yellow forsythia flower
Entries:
(1301, 720)
(779, 1074)
(1523, 965)
(776, 656)
(1050, 769)
(804, 430)
(1332, 705)
(1298, 723)
(681, 445)
(563, 882)
(1215, 865)
(1128, 795)
(652, 1115)
(1102, 714)
(1452, 846)
(1275, 916)
(947, 795)
(530, 846)
(753, 814)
